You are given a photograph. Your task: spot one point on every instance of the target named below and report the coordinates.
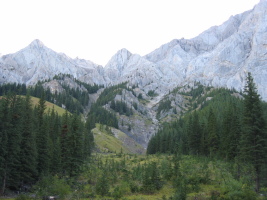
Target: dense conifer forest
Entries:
(35, 143)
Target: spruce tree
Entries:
(75, 146)
(253, 138)
(54, 141)
(28, 153)
(42, 138)
(194, 134)
(65, 129)
(14, 141)
(4, 125)
(213, 141)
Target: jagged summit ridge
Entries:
(220, 56)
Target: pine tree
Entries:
(4, 125)
(28, 153)
(230, 133)
(194, 134)
(42, 138)
(212, 139)
(75, 146)
(65, 129)
(54, 141)
(253, 138)
(14, 141)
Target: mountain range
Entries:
(220, 56)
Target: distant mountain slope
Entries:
(37, 62)
(220, 56)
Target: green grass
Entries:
(49, 106)
(114, 143)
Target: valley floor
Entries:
(141, 177)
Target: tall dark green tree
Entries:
(14, 141)
(54, 141)
(75, 146)
(230, 134)
(65, 129)
(28, 153)
(42, 138)
(194, 134)
(4, 126)
(212, 132)
(253, 138)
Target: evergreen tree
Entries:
(230, 133)
(253, 138)
(42, 138)
(64, 142)
(54, 141)
(14, 141)
(28, 153)
(4, 126)
(194, 134)
(213, 142)
(75, 146)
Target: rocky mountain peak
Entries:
(119, 59)
(36, 44)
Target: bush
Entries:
(134, 187)
(52, 186)
(102, 185)
(117, 193)
(23, 197)
(234, 189)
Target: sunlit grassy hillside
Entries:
(111, 140)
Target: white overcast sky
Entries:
(96, 29)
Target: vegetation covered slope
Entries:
(222, 127)
(111, 140)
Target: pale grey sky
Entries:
(96, 29)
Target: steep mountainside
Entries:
(220, 56)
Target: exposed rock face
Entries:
(37, 62)
(220, 56)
